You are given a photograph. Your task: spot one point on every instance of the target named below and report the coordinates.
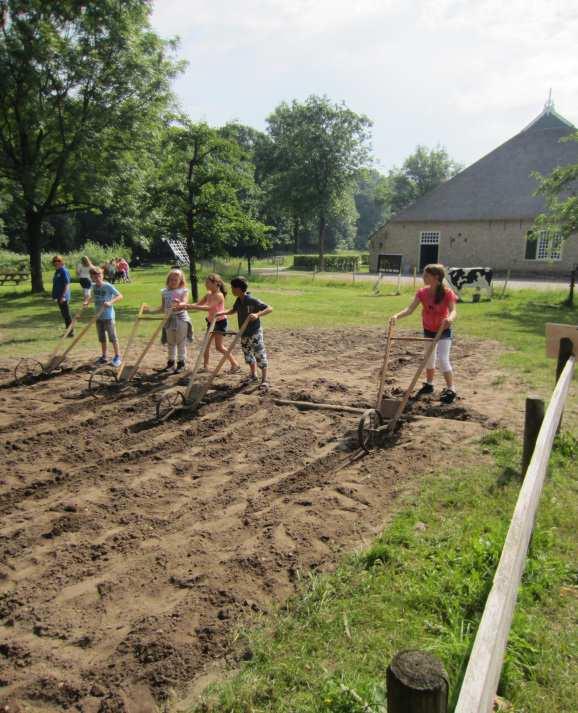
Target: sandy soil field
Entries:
(130, 550)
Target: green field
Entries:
(327, 648)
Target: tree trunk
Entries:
(296, 227)
(321, 243)
(192, 253)
(34, 237)
(569, 301)
(248, 264)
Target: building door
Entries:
(428, 247)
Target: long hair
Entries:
(218, 280)
(180, 273)
(85, 260)
(439, 272)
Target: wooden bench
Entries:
(13, 276)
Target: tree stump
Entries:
(416, 683)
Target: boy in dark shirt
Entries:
(61, 290)
(252, 341)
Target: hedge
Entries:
(333, 263)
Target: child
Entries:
(178, 329)
(438, 306)
(252, 343)
(214, 304)
(61, 290)
(83, 273)
(104, 294)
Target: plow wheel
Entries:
(27, 371)
(169, 403)
(367, 429)
(102, 382)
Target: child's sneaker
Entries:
(180, 367)
(169, 366)
(235, 369)
(448, 396)
(101, 360)
(116, 361)
(264, 387)
(425, 389)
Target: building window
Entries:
(543, 246)
(429, 237)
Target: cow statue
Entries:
(477, 277)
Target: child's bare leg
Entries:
(207, 352)
(219, 346)
(449, 377)
(429, 375)
(263, 375)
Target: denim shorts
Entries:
(220, 326)
(446, 334)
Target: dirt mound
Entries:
(129, 549)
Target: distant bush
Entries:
(333, 263)
(364, 258)
(98, 254)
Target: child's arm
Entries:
(451, 316)
(200, 305)
(405, 312)
(110, 302)
(256, 315)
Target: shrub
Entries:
(333, 263)
(97, 253)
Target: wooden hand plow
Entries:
(195, 392)
(28, 370)
(107, 380)
(384, 417)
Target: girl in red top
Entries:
(438, 306)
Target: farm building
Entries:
(484, 215)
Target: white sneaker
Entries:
(116, 361)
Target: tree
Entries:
(201, 179)
(560, 190)
(421, 172)
(316, 149)
(78, 81)
(372, 202)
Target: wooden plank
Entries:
(52, 357)
(130, 340)
(197, 364)
(79, 336)
(485, 664)
(314, 406)
(410, 388)
(384, 365)
(555, 333)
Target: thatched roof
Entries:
(500, 186)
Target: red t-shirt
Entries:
(434, 314)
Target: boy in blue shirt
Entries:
(61, 290)
(105, 295)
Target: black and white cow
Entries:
(478, 277)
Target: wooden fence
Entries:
(482, 675)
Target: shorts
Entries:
(85, 283)
(220, 326)
(446, 334)
(106, 327)
(254, 349)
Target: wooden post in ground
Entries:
(565, 352)
(532, 424)
(505, 283)
(414, 277)
(416, 683)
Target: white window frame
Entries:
(548, 247)
(429, 237)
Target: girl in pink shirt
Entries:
(213, 303)
(438, 307)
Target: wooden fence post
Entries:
(416, 683)
(532, 424)
(564, 353)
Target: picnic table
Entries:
(15, 275)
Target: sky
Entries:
(464, 74)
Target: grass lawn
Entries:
(328, 648)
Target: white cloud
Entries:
(466, 73)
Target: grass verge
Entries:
(423, 584)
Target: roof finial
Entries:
(549, 105)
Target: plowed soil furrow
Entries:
(129, 549)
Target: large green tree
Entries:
(79, 81)
(203, 192)
(316, 149)
(560, 190)
(372, 201)
(421, 172)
